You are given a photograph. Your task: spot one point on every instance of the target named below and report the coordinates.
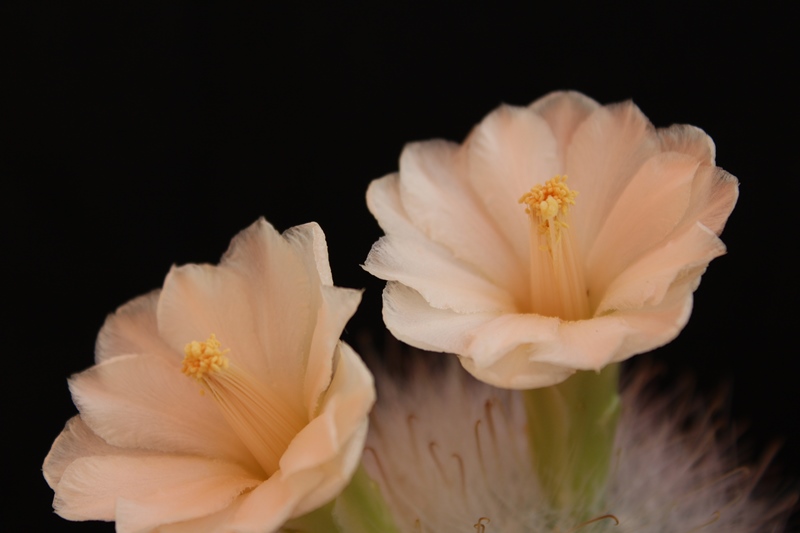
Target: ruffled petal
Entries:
(689, 140)
(412, 320)
(714, 192)
(139, 401)
(655, 326)
(438, 198)
(646, 282)
(143, 492)
(408, 256)
(77, 440)
(714, 195)
(311, 246)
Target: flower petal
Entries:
(333, 442)
(143, 492)
(438, 199)
(564, 111)
(133, 328)
(75, 441)
(217, 522)
(714, 195)
(690, 140)
(408, 256)
(272, 503)
(344, 409)
(412, 320)
(607, 150)
(336, 307)
(714, 191)
(516, 371)
(651, 206)
(139, 401)
(646, 282)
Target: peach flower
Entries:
(223, 402)
(562, 236)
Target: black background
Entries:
(136, 137)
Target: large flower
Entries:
(223, 402)
(559, 237)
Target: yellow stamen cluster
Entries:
(203, 358)
(549, 203)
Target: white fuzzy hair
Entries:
(450, 455)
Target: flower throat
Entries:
(557, 286)
(264, 422)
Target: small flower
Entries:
(223, 402)
(559, 237)
(450, 454)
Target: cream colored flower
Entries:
(559, 237)
(223, 402)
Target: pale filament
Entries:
(557, 285)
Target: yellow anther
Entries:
(549, 203)
(202, 358)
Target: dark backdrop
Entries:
(137, 137)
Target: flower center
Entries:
(203, 358)
(557, 285)
(264, 421)
(549, 204)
